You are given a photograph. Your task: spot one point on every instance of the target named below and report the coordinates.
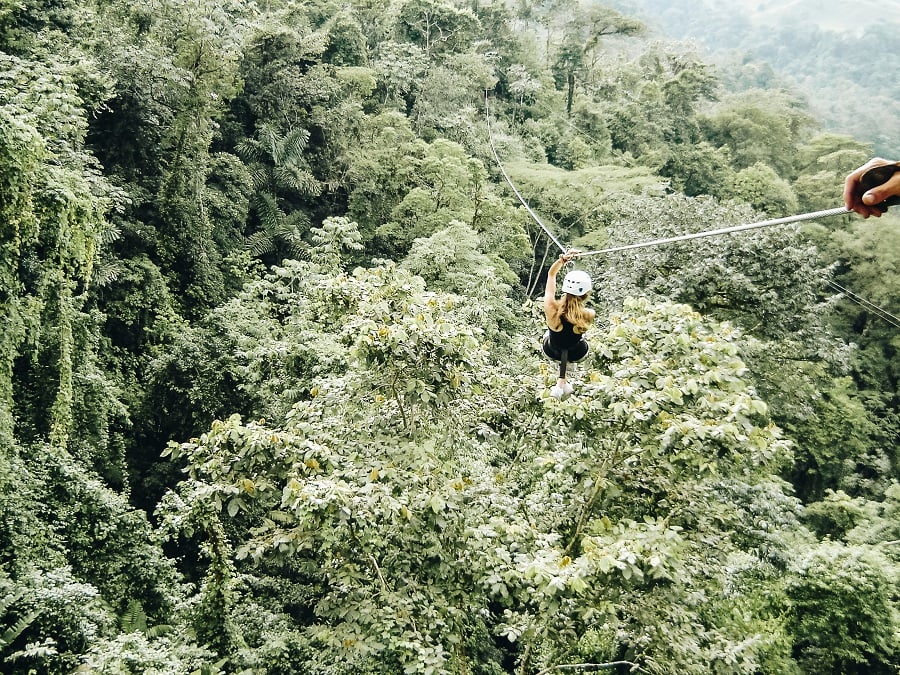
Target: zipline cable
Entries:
(827, 213)
(876, 175)
(865, 304)
(839, 210)
(654, 242)
(510, 183)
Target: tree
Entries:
(866, 252)
(334, 239)
(448, 100)
(823, 163)
(278, 172)
(346, 44)
(762, 188)
(699, 169)
(158, 145)
(382, 170)
(400, 66)
(489, 533)
(437, 25)
(773, 284)
(452, 260)
(365, 472)
(667, 87)
(759, 128)
(582, 39)
(376, 24)
(447, 186)
(521, 85)
(281, 75)
(54, 201)
(842, 615)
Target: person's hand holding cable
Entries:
(871, 202)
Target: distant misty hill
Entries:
(832, 15)
(690, 18)
(833, 52)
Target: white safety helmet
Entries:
(577, 282)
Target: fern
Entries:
(281, 517)
(105, 273)
(35, 650)
(260, 243)
(134, 619)
(250, 150)
(259, 177)
(7, 601)
(269, 141)
(10, 634)
(158, 630)
(287, 232)
(267, 209)
(294, 143)
(306, 183)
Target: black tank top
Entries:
(565, 338)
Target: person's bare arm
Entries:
(550, 290)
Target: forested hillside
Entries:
(272, 397)
(826, 50)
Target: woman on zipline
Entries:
(567, 320)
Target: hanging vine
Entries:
(52, 200)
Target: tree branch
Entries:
(598, 488)
(378, 571)
(586, 666)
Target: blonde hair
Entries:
(572, 309)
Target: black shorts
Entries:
(576, 352)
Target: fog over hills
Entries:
(828, 51)
(694, 18)
(834, 15)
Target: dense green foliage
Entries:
(272, 398)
